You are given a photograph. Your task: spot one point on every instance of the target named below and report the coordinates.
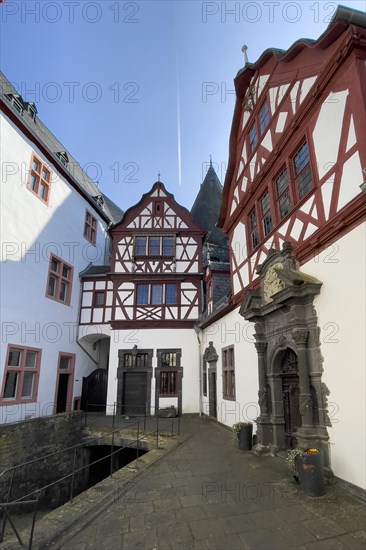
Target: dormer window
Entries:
(63, 156)
(154, 246)
(31, 110)
(16, 101)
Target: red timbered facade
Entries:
(297, 150)
(156, 265)
(294, 210)
(155, 275)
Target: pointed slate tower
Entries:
(205, 212)
(215, 251)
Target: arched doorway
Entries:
(289, 370)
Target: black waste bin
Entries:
(245, 437)
(310, 468)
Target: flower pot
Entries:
(310, 469)
(245, 436)
(168, 413)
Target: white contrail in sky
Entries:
(178, 130)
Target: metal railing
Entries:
(140, 435)
(92, 416)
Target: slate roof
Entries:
(95, 270)
(219, 266)
(342, 14)
(206, 208)
(107, 208)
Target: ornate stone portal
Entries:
(292, 397)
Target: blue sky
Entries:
(132, 88)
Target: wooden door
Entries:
(134, 393)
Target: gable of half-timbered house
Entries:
(298, 149)
(156, 263)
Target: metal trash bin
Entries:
(310, 468)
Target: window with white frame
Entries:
(156, 294)
(154, 245)
(21, 374)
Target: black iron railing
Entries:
(160, 425)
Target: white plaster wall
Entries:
(155, 339)
(31, 231)
(234, 330)
(341, 313)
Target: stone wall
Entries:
(25, 441)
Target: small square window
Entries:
(64, 363)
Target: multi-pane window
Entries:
(168, 359)
(302, 171)
(21, 374)
(266, 214)
(168, 372)
(155, 294)
(90, 228)
(292, 184)
(136, 360)
(40, 179)
(168, 383)
(253, 228)
(283, 194)
(228, 373)
(263, 118)
(253, 137)
(59, 280)
(154, 245)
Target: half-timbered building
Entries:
(150, 300)
(54, 222)
(288, 351)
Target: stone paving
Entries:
(207, 494)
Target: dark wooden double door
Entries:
(135, 393)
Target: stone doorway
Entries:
(292, 396)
